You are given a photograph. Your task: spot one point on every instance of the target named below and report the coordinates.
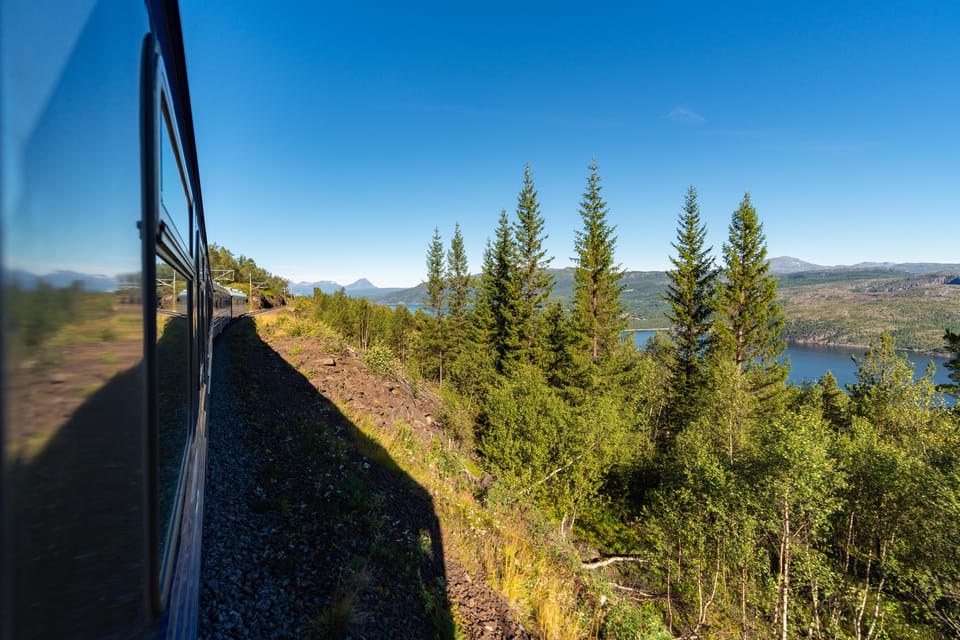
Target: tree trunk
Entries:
(786, 565)
(815, 597)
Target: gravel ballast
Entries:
(304, 535)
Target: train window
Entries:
(174, 190)
(176, 334)
(174, 414)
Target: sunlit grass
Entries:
(511, 546)
(496, 544)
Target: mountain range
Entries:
(787, 264)
(841, 304)
(362, 288)
(781, 265)
(635, 281)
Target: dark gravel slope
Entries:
(304, 535)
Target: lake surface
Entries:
(810, 362)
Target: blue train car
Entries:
(227, 305)
(106, 323)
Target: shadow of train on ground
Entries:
(310, 528)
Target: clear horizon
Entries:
(332, 140)
(475, 272)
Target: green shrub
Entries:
(629, 621)
(380, 359)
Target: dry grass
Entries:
(290, 324)
(510, 546)
(497, 543)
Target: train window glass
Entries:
(174, 194)
(173, 290)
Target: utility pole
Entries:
(222, 275)
(259, 285)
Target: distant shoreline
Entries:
(823, 343)
(935, 353)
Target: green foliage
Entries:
(36, 316)
(691, 297)
(458, 295)
(759, 510)
(380, 359)
(953, 365)
(543, 447)
(535, 282)
(885, 392)
(432, 342)
(598, 310)
(497, 304)
(558, 358)
(401, 333)
(751, 320)
(691, 290)
(238, 272)
(630, 621)
(435, 275)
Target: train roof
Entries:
(236, 293)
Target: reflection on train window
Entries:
(174, 195)
(173, 393)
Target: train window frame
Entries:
(162, 241)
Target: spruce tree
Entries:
(690, 293)
(535, 282)
(751, 320)
(953, 346)
(458, 292)
(433, 338)
(597, 278)
(499, 294)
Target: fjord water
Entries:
(809, 362)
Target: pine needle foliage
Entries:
(499, 294)
(751, 320)
(458, 292)
(597, 287)
(434, 300)
(535, 282)
(691, 292)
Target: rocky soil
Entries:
(310, 529)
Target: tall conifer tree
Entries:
(751, 319)
(534, 281)
(499, 293)
(458, 291)
(691, 292)
(597, 278)
(434, 300)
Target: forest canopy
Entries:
(749, 507)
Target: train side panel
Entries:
(105, 330)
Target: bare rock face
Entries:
(260, 301)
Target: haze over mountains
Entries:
(787, 264)
(363, 288)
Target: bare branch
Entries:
(596, 564)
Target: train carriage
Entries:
(107, 323)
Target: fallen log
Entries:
(606, 560)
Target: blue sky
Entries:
(333, 139)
